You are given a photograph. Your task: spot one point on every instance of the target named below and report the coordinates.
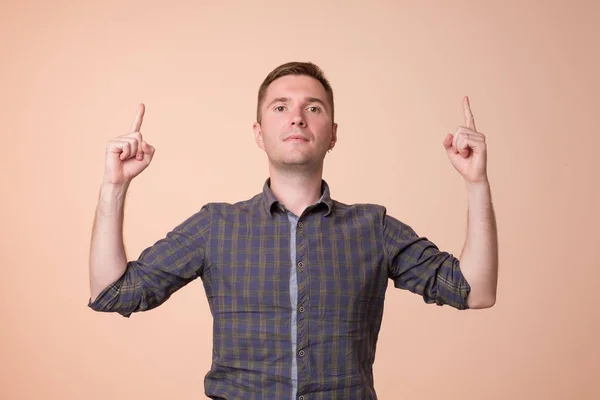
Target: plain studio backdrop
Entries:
(73, 74)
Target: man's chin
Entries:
(297, 163)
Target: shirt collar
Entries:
(271, 201)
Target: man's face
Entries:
(296, 127)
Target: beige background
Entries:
(72, 75)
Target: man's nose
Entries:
(298, 121)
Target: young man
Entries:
(295, 280)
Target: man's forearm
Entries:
(108, 260)
(479, 258)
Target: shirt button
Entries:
(300, 224)
(301, 398)
(300, 265)
(301, 309)
(301, 353)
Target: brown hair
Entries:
(294, 68)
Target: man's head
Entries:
(295, 116)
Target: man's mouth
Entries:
(296, 138)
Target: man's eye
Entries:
(279, 108)
(314, 109)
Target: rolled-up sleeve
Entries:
(416, 264)
(161, 269)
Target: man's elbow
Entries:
(480, 302)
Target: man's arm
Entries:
(479, 258)
(125, 287)
(108, 260)
(126, 157)
(467, 151)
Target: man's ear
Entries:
(333, 136)
(258, 135)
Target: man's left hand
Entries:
(467, 150)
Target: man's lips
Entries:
(296, 138)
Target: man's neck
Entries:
(296, 190)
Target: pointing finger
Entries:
(137, 122)
(469, 120)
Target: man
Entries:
(295, 280)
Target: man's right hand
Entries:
(127, 155)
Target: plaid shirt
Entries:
(297, 301)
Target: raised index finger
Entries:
(469, 120)
(139, 117)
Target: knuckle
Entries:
(132, 135)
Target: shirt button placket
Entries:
(303, 299)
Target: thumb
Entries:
(448, 141)
(148, 151)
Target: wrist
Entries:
(479, 192)
(483, 183)
(113, 190)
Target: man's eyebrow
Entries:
(278, 100)
(306, 99)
